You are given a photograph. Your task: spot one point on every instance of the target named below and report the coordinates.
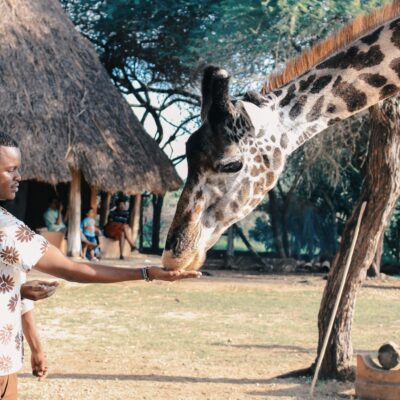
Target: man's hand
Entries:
(161, 274)
(37, 290)
(39, 365)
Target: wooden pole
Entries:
(134, 221)
(74, 215)
(93, 198)
(104, 208)
(338, 298)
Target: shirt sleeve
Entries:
(26, 306)
(20, 247)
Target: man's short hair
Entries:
(7, 140)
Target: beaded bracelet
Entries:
(145, 274)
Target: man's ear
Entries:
(216, 104)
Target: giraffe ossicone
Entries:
(239, 152)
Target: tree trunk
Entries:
(381, 190)
(74, 215)
(275, 224)
(155, 235)
(134, 218)
(375, 268)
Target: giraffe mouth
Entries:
(188, 262)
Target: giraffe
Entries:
(239, 151)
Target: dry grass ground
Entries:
(222, 337)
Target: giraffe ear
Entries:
(216, 104)
(256, 117)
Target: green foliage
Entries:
(154, 52)
(392, 239)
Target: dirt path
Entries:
(225, 336)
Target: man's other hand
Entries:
(37, 290)
(39, 365)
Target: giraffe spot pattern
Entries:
(320, 83)
(372, 37)
(374, 80)
(387, 91)
(395, 66)
(244, 190)
(315, 111)
(305, 84)
(267, 163)
(219, 215)
(354, 58)
(270, 179)
(234, 206)
(290, 94)
(277, 158)
(333, 121)
(354, 98)
(297, 108)
(395, 27)
(331, 108)
(284, 140)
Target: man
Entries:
(21, 250)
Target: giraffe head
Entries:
(231, 166)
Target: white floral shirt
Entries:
(20, 250)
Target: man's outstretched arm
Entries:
(53, 262)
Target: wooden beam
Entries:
(104, 208)
(74, 215)
(134, 219)
(93, 198)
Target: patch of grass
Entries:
(211, 331)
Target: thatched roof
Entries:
(57, 100)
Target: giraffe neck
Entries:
(352, 79)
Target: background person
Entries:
(117, 227)
(53, 218)
(91, 232)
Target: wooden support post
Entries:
(104, 208)
(230, 248)
(74, 215)
(134, 220)
(93, 198)
(141, 224)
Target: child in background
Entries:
(90, 231)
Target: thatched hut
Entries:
(57, 100)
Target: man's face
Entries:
(10, 161)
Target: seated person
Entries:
(53, 218)
(117, 227)
(90, 244)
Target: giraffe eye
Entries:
(231, 167)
